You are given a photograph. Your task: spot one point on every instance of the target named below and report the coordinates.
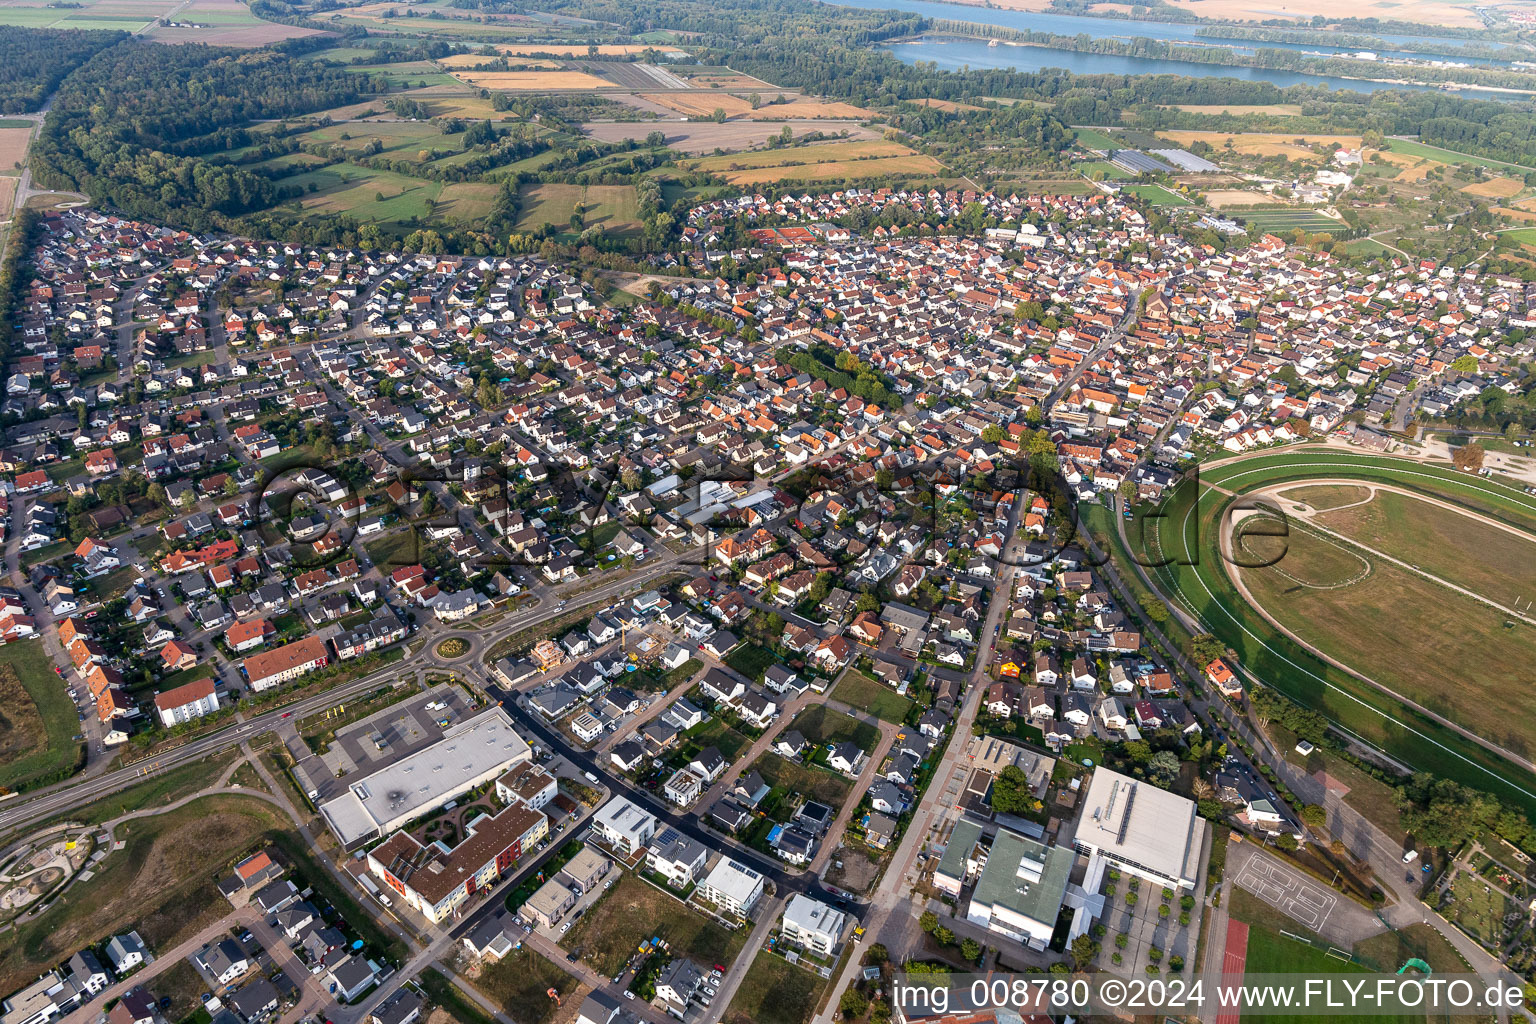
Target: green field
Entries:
(1288, 220)
(614, 207)
(1157, 195)
(1448, 156)
(633, 911)
(37, 719)
(1104, 169)
(818, 784)
(775, 992)
(820, 724)
(1522, 236)
(1092, 138)
(858, 690)
(1205, 589)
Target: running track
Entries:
(1233, 962)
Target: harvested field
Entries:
(7, 195)
(706, 136)
(705, 103)
(1495, 188)
(467, 200)
(1241, 110)
(910, 166)
(224, 23)
(819, 153)
(13, 146)
(1226, 198)
(531, 81)
(1294, 147)
(1418, 172)
(1523, 216)
(458, 61)
(556, 50)
(725, 79)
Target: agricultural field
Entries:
(706, 136)
(1449, 156)
(13, 144)
(128, 15)
(1294, 147)
(615, 207)
(7, 195)
(1103, 170)
(915, 165)
(224, 23)
(1289, 219)
(1227, 198)
(816, 153)
(1092, 138)
(633, 911)
(703, 103)
(531, 81)
(1157, 195)
(1495, 188)
(1521, 236)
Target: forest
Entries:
(131, 126)
(33, 61)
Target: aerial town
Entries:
(634, 660)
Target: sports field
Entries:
(1198, 578)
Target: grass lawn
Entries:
(37, 719)
(615, 207)
(820, 724)
(183, 985)
(751, 661)
(445, 996)
(519, 983)
(1157, 195)
(163, 882)
(817, 784)
(632, 912)
(775, 991)
(716, 733)
(1092, 138)
(164, 788)
(400, 547)
(858, 690)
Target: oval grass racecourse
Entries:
(1186, 531)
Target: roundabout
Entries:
(452, 648)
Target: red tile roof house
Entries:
(243, 636)
(281, 664)
(184, 703)
(177, 656)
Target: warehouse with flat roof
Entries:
(1145, 830)
(475, 751)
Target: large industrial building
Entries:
(1141, 829)
(471, 753)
